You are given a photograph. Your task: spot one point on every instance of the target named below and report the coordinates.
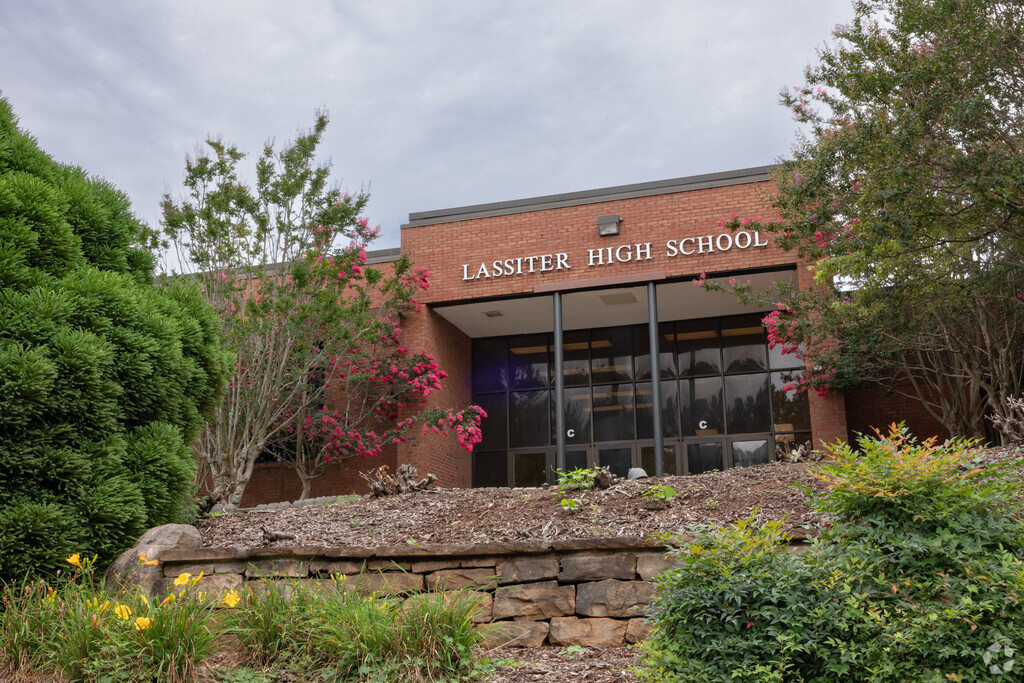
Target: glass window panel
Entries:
(747, 453)
(575, 460)
(618, 460)
(704, 457)
(530, 469)
(647, 460)
(746, 401)
(611, 354)
(494, 427)
(743, 353)
(645, 410)
(700, 350)
(529, 360)
(490, 469)
(706, 417)
(784, 443)
(577, 415)
(490, 364)
(778, 360)
(528, 418)
(576, 363)
(613, 412)
(666, 350)
(792, 411)
(743, 344)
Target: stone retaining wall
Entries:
(578, 592)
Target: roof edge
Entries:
(604, 194)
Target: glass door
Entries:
(618, 458)
(669, 459)
(530, 467)
(705, 455)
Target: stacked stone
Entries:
(592, 592)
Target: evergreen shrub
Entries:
(104, 377)
(918, 578)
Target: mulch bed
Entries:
(462, 516)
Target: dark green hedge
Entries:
(104, 377)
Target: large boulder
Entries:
(126, 571)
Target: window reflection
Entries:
(576, 366)
(529, 360)
(706, 407)
(490, 365)
(577, 415)
(779, 360)
(747, 403)
(668, 460)
(704, 457)
(494, 427)
(747, 453)
(792, 410)
(613, 412)
(743, 346)
(611, 352)
(700, 352)
(645, 410)
(666, 351)
(528, 418)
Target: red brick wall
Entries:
(436, 453)
(870, 408)
(828, 412)
(276, 482)
(444, 248)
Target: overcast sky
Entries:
(433, 104)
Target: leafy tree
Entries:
(104, 377)
(907, 197)
(320, 373)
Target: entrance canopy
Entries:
(594, 308)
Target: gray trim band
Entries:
(606, 194)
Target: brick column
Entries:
(828, 413)
(436, 453)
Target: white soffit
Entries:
(601, 308)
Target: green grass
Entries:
(78, 629)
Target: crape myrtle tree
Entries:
(104, 378)
(321, 376)
(906, 197)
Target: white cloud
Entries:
(437, 104)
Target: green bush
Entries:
(918, 579)
(104, 377)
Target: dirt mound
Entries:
(531, 514)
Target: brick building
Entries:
(545, 311)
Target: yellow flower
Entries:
(142, 623)
(74, 560)
(182, 579)
(197, 579)
(122, 611)
(144, 600)
(231, 598)
(169, 598)
(147, 563)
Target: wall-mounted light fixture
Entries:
(608, 225)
